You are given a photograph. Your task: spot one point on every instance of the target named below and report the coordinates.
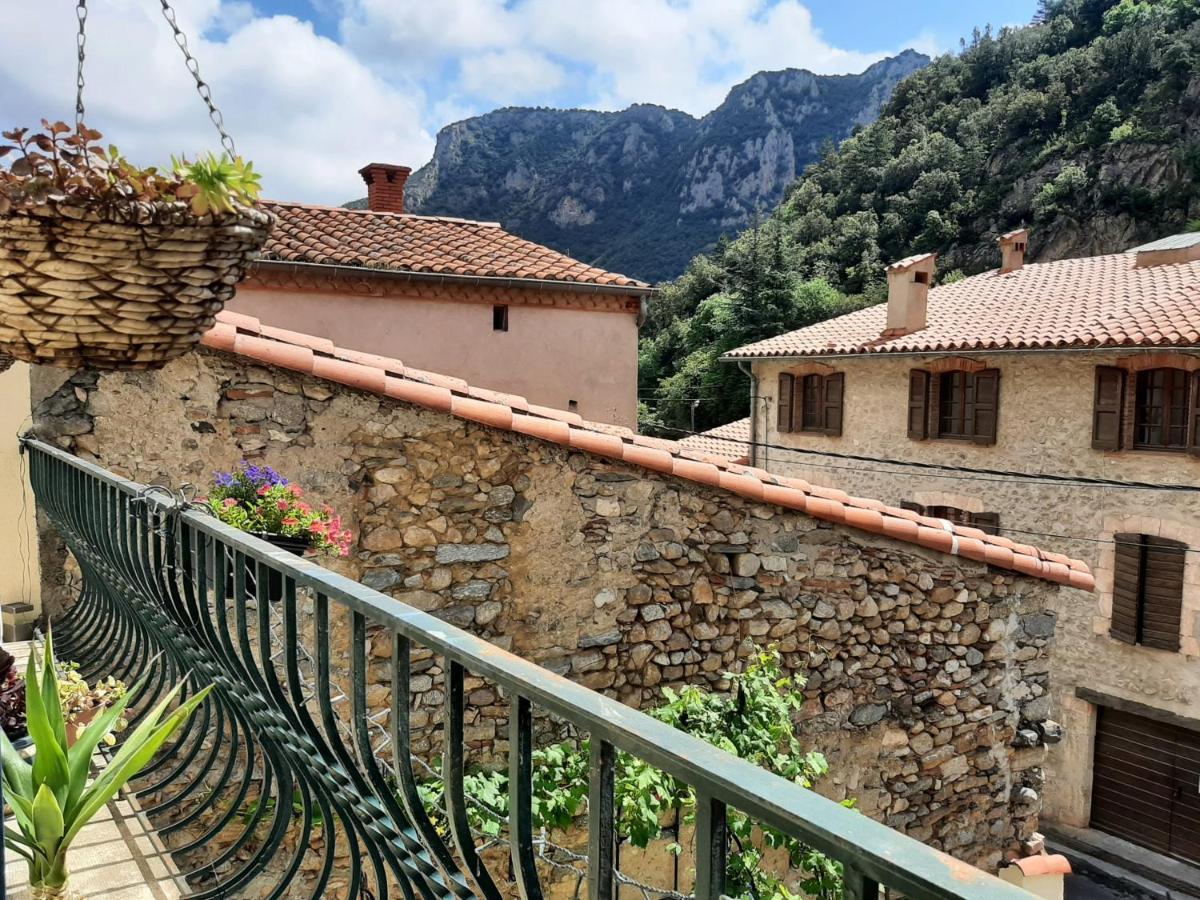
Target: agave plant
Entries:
(52, 799)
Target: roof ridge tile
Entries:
(389, 377)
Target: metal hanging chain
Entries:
(201, 86)
(81, 42)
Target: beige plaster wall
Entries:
(1045, 423)
(19, 580)
(549, 355)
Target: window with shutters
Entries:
(955, 405)
(987, 522)
(1147, 590)
(1160, 410)
(811, 403)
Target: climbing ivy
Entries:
(754, 720)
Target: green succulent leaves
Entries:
(52, 799)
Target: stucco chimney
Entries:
(1173, 250)
(908, 293)
(1012, 249)
(385, 186)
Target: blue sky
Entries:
(313, 89)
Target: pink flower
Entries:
(283, 505)
(229, 502)
(317, 527)
(295, 489)
(291, 520)
(262, 491)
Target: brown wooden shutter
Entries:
(833, 388)
(1108, 408)
(1162, 591)
(985, 410)
(914, 507)
(987, 522)
(918, 404)
(1127, 579)
(1194, 415)
(783, 421)
(934, 419)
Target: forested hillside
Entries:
(1084, 125)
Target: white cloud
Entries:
(310, 110)
(300, 105)
(498, 75)
(679, 53)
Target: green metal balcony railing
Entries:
(287, 743)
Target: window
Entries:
(1163, 412)
(499, 318)
(1147, 590)
(987, 522)
(1160, 411)
(810, 403)
(812, 409)
(956, 405)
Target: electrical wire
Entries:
(935, 470)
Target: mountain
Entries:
(641, 191)
(1084, 125)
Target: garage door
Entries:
(1146, 783)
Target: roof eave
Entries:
(535, 284)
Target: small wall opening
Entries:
(499, 318)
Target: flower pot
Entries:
(274, 591)
(81, 721)
(128, 287)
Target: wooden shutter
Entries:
(914, 507)
(1127, 578)
(833, 388)
(783, 421)
(1108, 409)
(934, 419)
(918, 404)
(985, 409)
(987, 522)
(1162, 591)
(1194, 415)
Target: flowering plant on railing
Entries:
(259, 500)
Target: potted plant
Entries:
(12, 701)
(108, 265)
(81, 703)
(51, 798)
(258, 500)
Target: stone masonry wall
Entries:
(927, 682)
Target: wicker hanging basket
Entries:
(128, 287)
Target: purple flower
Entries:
(260, 475)
(223, 479)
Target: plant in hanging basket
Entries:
(110, 266)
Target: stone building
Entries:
(1085, 368)
(452, 295)
(626, 562)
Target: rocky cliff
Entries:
(643, 190)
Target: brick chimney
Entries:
(908, 293)
(385, 186)
(1012, 249)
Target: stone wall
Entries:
(1045, 425)
(927, 673)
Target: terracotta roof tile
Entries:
(330, 235)
(726, 441)
(390, 377)
(1097, 301)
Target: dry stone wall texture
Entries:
(927, 673)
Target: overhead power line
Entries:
(945, 470)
